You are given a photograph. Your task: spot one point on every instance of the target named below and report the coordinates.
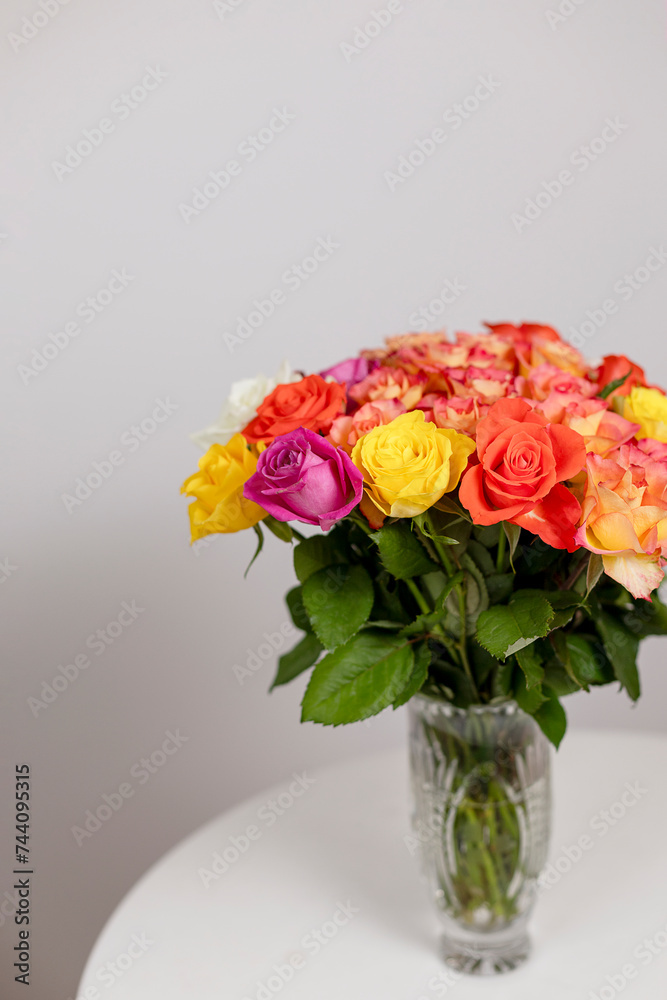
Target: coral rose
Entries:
(615, 366)
(523, 462)
(218, 490)
(311, 403)
(303, 477)
(409, 464)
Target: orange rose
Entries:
(523, 462)
(311, 403)
(615, 366)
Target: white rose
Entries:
(241, 406)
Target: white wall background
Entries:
(162, 338)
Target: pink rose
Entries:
(351, 371)
(302, 477)
(346, 431)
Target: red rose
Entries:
(523, 461)
(311, 403)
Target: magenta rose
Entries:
(351, 371)
(302, 477)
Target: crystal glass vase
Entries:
(482, 804)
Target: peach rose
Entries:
(346, 431)
(624, 517)
(389, 383)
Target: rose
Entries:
(602, 429)
(350, 372)
(346, 431)
(648, 408)
(311, 403)
(408, 465)
(535, 345)
(461, 414)
(241, 406)
(546, 380)
(523, 462)
(218, 490)
(615, 366)
(301, 476)
(624, 516)
(389, 383)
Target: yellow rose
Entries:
(218, 490)
(648, 408)
(410, 463)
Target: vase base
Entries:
(484, 958)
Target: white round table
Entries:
(309, 891)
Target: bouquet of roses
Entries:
(492, 515)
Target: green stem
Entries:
(450, 566)
(297, 534)
(418, 596)
(500, 558)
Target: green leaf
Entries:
(448, 528)
(483, 662)
(538, 556)
(422, 658)
(422, 624)
(388, 604)
(564, 603)
(448, 504)
(647, 618)
(621, 646)
(260, 545)
(434, 584)
(500, 587)
(487, 535)
(501, 679)
(358, 680)
(338, 601)
(594, 571)
(476, 598)
(531, 663)
(291, 664)
(506, 628)
(513, 533)
(584, 661)
(527, 699)
(401, 552)
(455, 680)
(483, 560)
(452, 582)
(281, 529)
(558, 680)
(316, 553)
(613, 386)
(551, 718)
(297, 610)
